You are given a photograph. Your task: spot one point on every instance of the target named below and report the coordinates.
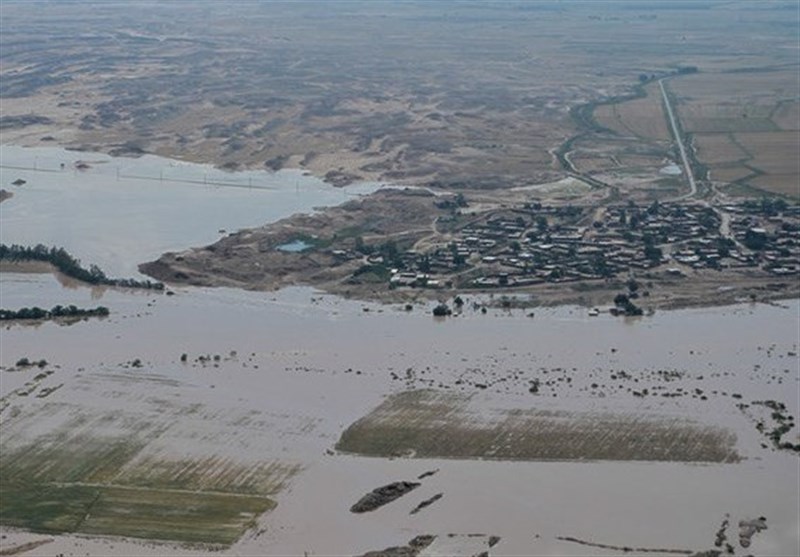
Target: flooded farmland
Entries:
(235, 412)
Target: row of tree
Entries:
(58, 311)
(70, 266)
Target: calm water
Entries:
(121, 212)
(294, 247)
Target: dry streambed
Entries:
(432, 424)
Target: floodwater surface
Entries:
(119, 212)
(226, 390)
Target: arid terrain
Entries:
(476, 94)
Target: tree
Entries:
(541, 223)
(755, 239)
(362, 248)
(653, 253)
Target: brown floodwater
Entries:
(298, 358)
(297, 367)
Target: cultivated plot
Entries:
(434, 424)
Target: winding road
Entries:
(679, 140)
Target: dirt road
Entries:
(679, 140)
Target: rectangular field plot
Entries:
(42, 507)
(70, 469)
(783, 185)
(734, 102)
(764, 88)
(432, 424)
(773, 153)
(715, 119)
(730, 172)
(218, 518)
(716, 148)
(640, 117)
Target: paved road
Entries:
(679, 140)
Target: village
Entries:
(535, 243)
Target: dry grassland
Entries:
(744, 127)
(641, 117)
(787, 115)
(640, 161)
(730, 173)
(773, 153)
(715, 149)
(784, 185)
(590, 164)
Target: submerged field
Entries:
(431, 424)
(69, 468)
(239, 449)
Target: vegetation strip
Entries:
(431, 424)
(37, 313)
(70, 266)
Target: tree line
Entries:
(57, 311)
(70, 266)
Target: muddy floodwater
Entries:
(238, 401)
(119, 212)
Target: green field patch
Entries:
(213, 473)
(430, 424)
(45, 508)
(79, 459)
(216, 518)
(68, 471)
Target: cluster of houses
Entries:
(536, 244)
(769, 240)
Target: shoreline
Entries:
(601, 298)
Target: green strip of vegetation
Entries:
(71, 267)
(431, 424)
(193, 517)
(75, 481)
(44, 508)
(56, 312)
